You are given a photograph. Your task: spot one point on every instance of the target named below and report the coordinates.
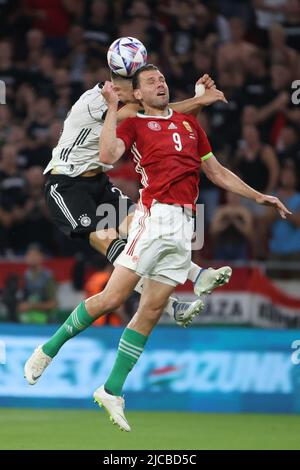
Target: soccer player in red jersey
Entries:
(168, 149)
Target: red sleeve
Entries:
(126, 132)
(205, 150)
(204, 147)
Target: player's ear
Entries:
(137, 94)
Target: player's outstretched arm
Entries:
(111, 148)
(225, 179)
(195, 104)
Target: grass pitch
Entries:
(88, 429)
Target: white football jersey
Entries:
(77, 150)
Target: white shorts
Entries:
(159, 243)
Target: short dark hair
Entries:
(115, 76)
(145, 68)
(34, 247)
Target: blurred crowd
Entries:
(51, 51)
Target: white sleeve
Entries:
(96, 104)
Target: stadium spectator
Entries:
(8, 71)
(12, 197)
(257, 83)
(231, 230)
(41, 119)
(273, 113)
(288, 148)
(179, 41)
(291, 23)
(257, 165)
(210, 27)
(223, 115)
(256, 162)
(285, 236)
(76, 57)
(41, 79)
(63, 91)
(267, 13)
(34, 223)
(141, 23)
(237, 50)
(232, 8)
(24, 103)
(279, 51)
(9, 299)
(99, 31)
(18, 138)
(39, 291)
(35, 46)
(6, 119)
(249, 116)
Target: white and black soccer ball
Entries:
(126, 55)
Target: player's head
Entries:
(34, 256)
(150, 88)
(123, 88)
(288, 178)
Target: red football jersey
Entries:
(167, 152)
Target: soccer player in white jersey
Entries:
(80, 198)
(162, 256)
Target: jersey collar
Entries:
(141, 114)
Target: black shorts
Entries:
(82, 205)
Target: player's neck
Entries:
(148, 110)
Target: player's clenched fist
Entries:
(109, 94)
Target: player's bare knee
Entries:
(104, 302)
(112, 300)
(152, 304)
(152, 313)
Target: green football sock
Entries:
(78, 321)
(130, 348)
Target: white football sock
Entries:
(194, 271)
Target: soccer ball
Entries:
(126, 55)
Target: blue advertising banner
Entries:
(197, 369)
